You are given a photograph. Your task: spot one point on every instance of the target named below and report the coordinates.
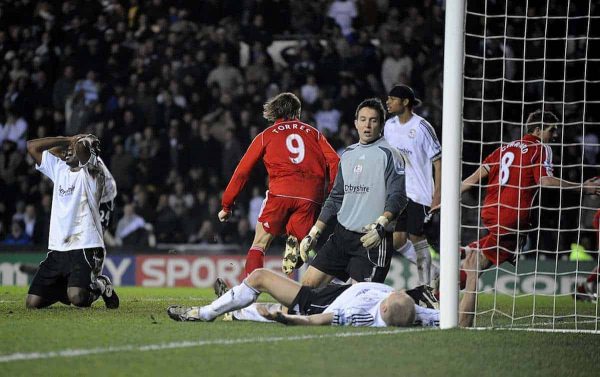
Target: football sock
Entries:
(255, 259)
(463, 279)
(423, 261)
(593, 276)
(408, 251)
(237, 297)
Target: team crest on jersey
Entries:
(412, 133)
(358, 169)
(399, 167)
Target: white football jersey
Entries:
(420, 146)
(74, 219)
(359, 305)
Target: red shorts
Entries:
(497, 248)
(499, 245)
(292, 216)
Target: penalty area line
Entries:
(189, 344)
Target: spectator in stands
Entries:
(131, 228)
(17, 235)
(328, 117)
(14, 129)
(11, 164)
(206, 234)
(343, 12)
(89, 87)
(32, 223)
(396, 68)
(122, 167)
(226, 76)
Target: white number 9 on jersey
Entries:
(295, 145)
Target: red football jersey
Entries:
(515, 170)
(298, 159)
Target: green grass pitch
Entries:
(140, 340)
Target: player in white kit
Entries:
(71, 271)
(417, 141)
(361, 304)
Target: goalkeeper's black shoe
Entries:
(110, 297)
(220, 287)
(423, 296)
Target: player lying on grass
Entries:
(71, 271)
(361, 304)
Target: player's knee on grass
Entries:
(79, 297)
(35, 302)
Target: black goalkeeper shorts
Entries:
(316, 300)
(63, 269)
(344, 256)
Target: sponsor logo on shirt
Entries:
(68, 191)
(405, 151)
(355, 189)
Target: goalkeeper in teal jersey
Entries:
(367, 194)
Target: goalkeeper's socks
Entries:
(255, 259)
(237, 297)
(423, 262)
(408, 251)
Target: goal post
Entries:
(504, 59)
(451, 152)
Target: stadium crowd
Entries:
(174, 90)
(175, 101)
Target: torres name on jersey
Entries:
(298, 160)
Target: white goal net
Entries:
(521, 56)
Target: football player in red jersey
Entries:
(514, 173)
(299, 161)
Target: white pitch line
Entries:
(188, 344)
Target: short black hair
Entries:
(541, 119)
(373, 103)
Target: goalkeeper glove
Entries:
(375, 232)
(309, 242)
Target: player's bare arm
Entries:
(589, 187)
(437, 184)
(472, 180)
(36, 147)
(298, 320)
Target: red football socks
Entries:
(255, 259)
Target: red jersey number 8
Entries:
(295, 145)
(505, 162)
